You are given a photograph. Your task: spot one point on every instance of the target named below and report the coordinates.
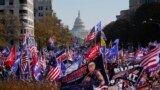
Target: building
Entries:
(24, 10)
(42, 8)
(123, 14)
(78, 29)
(133, 5)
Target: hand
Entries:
(87, 79)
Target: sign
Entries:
(94, 69)
(131, 73)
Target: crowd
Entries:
(125, 69)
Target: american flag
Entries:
(91, 35)
(139, 54)
(151, 59)
(25, 38)
(41, 62)
(62, 57)
(33, 49)
(24, 63)
(54, 72)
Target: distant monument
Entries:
(78, 29)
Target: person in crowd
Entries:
(93, 78)
(1, 73)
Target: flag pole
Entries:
(139, 78)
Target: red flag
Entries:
(93, 53)
(62, 57)
(34, 60)
(11, 58)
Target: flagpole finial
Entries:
(78, 13)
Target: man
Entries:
(94, 77)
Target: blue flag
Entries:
(113, 52)
(16, 63)
(37, 72)
(6, 51)
(63, 68)
(98, 26)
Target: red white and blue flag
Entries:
(24, 65)
(11, 58)
(25, 38)
(151, 59)
(91, 35)
(54, 72)
(37, 71)
(62, 57)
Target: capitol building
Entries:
(78, 29)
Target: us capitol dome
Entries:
(78, 29)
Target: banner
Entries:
(130, 73)
(91, 73)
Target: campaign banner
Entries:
(91, 73)
(130, 72)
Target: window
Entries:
(23, 20)
(1, 11)
(11, 2)
(40, 8)
(23, 1)
(2, 2)
(11, 11)
(40, 14)
(21, 31)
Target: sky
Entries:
(92, 11)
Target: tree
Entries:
(133, 29)
(9, 30)
(50, 26)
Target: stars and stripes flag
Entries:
(25, 38)
(62, 57)
(33, 49)
(37, 71)
(139, 54)
(91, 35)
(24, 65)
(151, 59)
(54, 72)
(16, 63)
